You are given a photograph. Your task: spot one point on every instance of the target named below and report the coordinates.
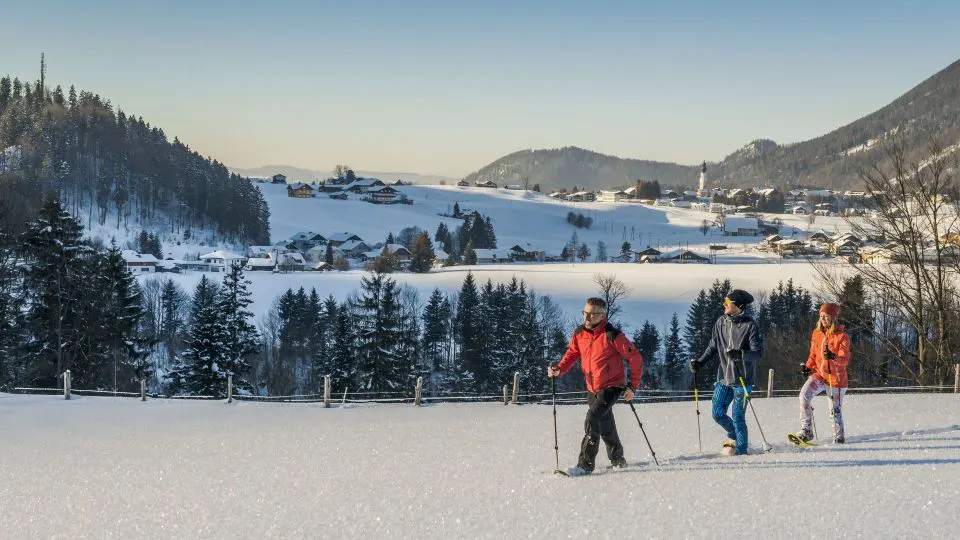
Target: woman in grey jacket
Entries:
(737, 340)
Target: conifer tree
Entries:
(674, 359)
(241, 336)
(56, 275)
(343, 369)
(422, 256)
(436, 332)
(378, 325)
(469, 255)
(467, 329)
(197, 371)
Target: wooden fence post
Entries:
(143, 389)
(770, 383)
(956, 378)
(416, 397)
(506, 397)
(516, 386)
(66, 384)
(326, 391)
(229, 388)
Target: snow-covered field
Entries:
(120, 468)
(658, 290)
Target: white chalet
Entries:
(139, 262)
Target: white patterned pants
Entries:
(812, 388)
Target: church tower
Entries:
(703, 180)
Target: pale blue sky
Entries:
(445, 87)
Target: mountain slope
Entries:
(572, 166)
(929, 110)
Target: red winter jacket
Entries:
(601, 358)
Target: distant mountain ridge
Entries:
(929, 110)
(297, 174)
(572, 166)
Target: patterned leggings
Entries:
(736, 428)
(811, 388)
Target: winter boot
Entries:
(618, 463)
(805, 435)
(578, 471)
(838, 440)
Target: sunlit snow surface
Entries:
(119, 468)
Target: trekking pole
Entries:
(556, 446)
(696, 401)
(654, 454)
(746, 397)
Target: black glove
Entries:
(829, 355)
(735, 354)
(805, 371)
(695, 365)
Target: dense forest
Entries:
(98, 159)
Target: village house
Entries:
(790, 246)
(278, 179)
(385, 195)
(612, 195)
(221, 259)
(490, 255)
(648, 255)
(138, 262)
(303, 241)
(741, 226)
(487, 184)
(336, 239)
(684, 256)
(399, 253)
(363, 185)
(352, 249)
(302, 191)
(527, 252)
(260, 264)
(463, 183)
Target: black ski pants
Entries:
(599, 424)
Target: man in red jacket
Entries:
(601, 348)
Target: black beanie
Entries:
(740, 298)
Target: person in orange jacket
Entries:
(601, 348)
(826, 370)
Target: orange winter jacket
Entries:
(838, 342)
(601, 352)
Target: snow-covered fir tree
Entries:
(197, 371)
(377, 312)
(240, 335)
(56, 290)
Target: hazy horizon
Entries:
(437, 88)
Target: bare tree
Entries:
(913, 292)
(611, 289)
(705, 227)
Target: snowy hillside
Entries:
(119, 468)
(658, 290)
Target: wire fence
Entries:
(410, 396)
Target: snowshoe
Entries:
(801, 439)
(729, 448)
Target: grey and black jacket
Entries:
(737, 333)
